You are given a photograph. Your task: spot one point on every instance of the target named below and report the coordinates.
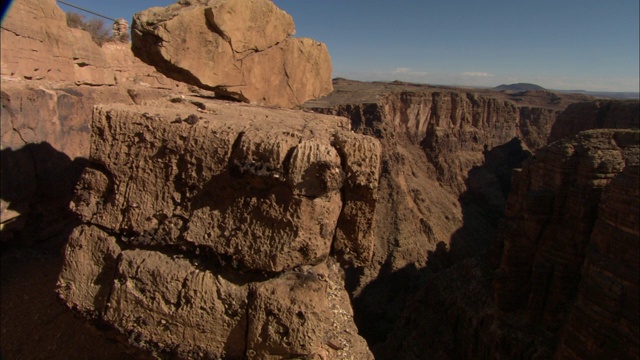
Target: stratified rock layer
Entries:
(237, 48)
(603, 322)
(601, 114)
(37, 44)
(567, 285)
(436, 140)
(198, 224)
(570, 239)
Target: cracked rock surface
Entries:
(238, 48)
(212, 237)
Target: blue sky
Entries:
(558, 44)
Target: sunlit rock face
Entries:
(241, 49)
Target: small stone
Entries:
(192, 119)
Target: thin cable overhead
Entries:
(89, 11)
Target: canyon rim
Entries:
(163, 199)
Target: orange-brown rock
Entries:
(601, 114)
(603, 321)
(306, 313)
(568, 236)
(453, 127)
(241, 49)
(414, 244)
(216, 221)
(45, 114)
(38, 45)
(44, 141)
(567, 286)
(237, 192)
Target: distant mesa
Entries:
(519, 87)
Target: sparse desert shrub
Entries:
(99, 33)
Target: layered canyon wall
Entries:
(448, 156)
(198, 213)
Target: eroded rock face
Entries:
(46, 111)
(241, 49)
(569, 266)
(222, 216)
(44, 143)
(453, 128)
(604, 316)
(575, 202)
(423, 230)
(602, 114)
(37, 44)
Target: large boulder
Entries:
(208, 229)
(241, 49)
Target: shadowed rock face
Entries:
(568, 219)
(226, 223)
(602, 114)
(468, 322)
(217, 225)
(242, 49)
(567, 282)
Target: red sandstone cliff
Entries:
(404, 122)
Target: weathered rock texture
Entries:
(454, 128)
(45, 136)
(604, 319)
(242, 49)
(602, 114)
(37, 44)
(420, 223)
(45, 114)
(567, 285)
(562, 210)
(433, 144)
(208, 233)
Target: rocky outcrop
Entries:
(249, 53)
(38, 45)
(45, 137)
(227, 216)
(567, 286)
(45, 115)
(603, 321)
(601, 114)
(453, 128)
(566, 207)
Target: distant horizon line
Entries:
(636, 93)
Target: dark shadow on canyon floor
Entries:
(38, 182)
(382, 302)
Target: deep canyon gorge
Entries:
(153, 209)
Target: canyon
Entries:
(152, 210)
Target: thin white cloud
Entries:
(477, 74)
(405, 71)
